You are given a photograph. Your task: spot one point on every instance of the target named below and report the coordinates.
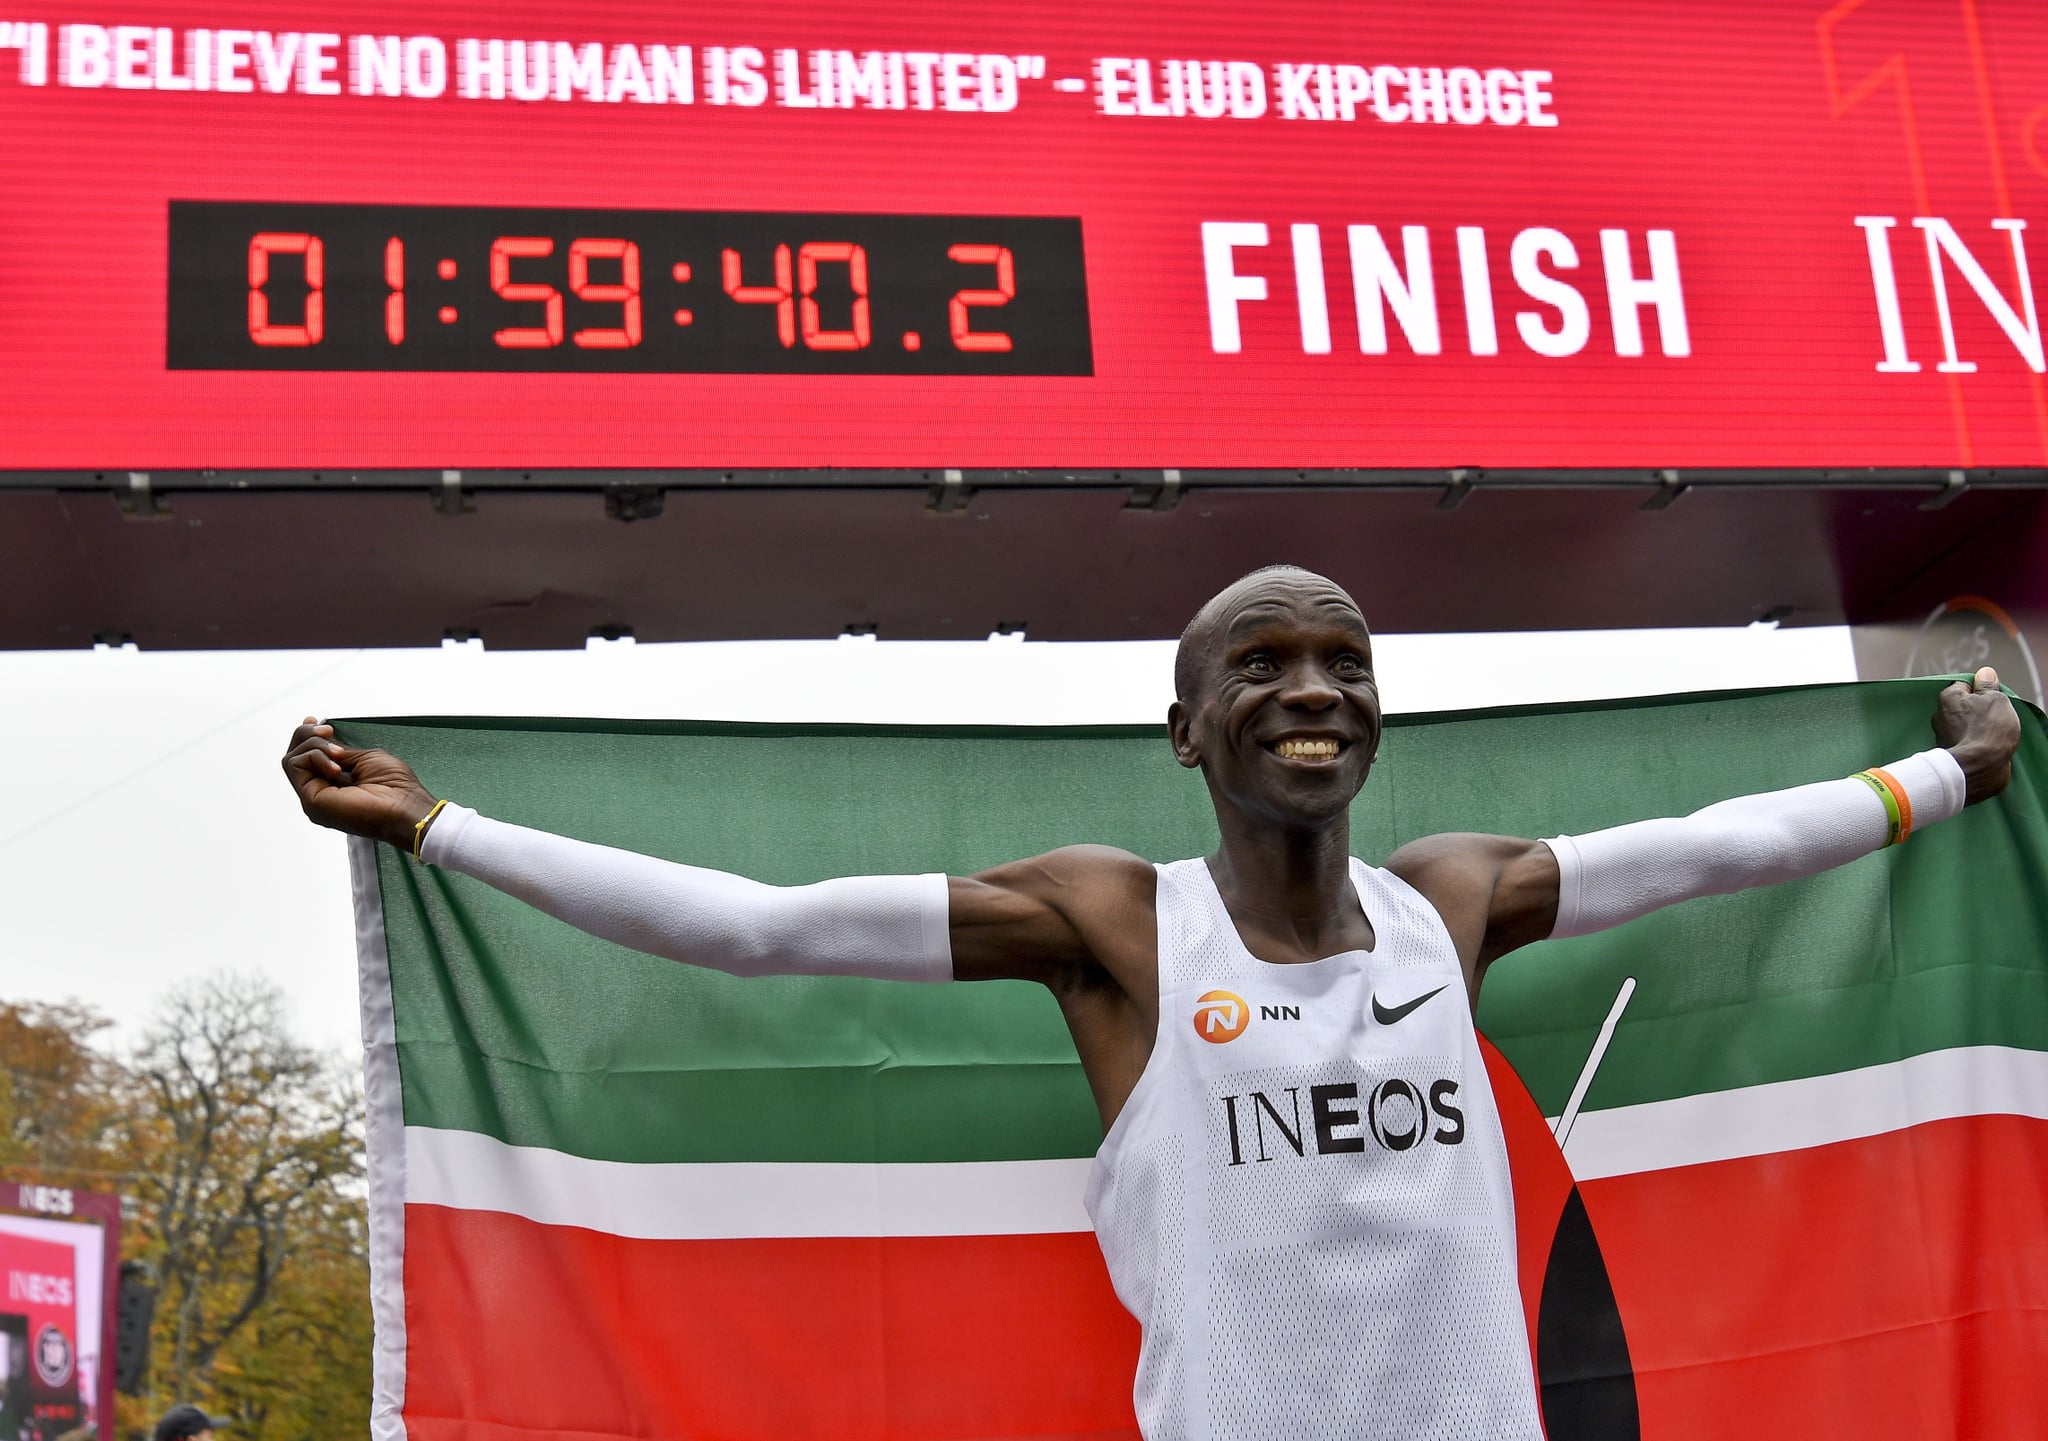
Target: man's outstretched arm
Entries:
(1497, 893)
(1015, 922)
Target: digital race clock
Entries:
(388, 287)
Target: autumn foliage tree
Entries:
(58, 1097)
(240, 1153)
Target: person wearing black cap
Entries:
(187, 1423)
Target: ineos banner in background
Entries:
(1493, 234)
(52, 1314)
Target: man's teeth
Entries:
(1307, 750)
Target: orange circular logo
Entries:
(1220, 1017)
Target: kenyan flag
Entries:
(1804, 1189)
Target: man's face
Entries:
(1284, 717)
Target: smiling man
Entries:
(1310, 1217)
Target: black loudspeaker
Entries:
(137, 1308)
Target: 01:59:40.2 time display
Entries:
(334, 287)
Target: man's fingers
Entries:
(1986, 678)
(317, 757)
(314, 765)
(328, 746)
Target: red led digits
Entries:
(394, 303)
(625, 295)
(374, 288)
(776, 295)
(261, 248)
(504, 250)
(856, 260)
(1005, 291)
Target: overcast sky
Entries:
(147, 835)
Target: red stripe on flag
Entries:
(1542, 1181)
(1892, 1287)
(516, 1328)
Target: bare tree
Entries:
(243, 1143)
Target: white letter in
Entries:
(1112, 79)
(1309, 294)
(231, 50)
(1247, 90)
(998, 83)
(747, 85)
(426, 67)
(1575, 323)
(131, 57)
(1412, 298)
(1480, 332)
(669, 71)
(317, 64)
(580, 68)
(374, 67)
(1295, 101)
(481, 64)
(1625, 293)
(85, 55)
(2026, 337)
(277, 57)
(1889, 324)
(1226, 286)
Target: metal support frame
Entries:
(950, 494)
(138, 501)
(449, 498)
(1161, 494)
(1669, 488)
(1951, 490)
(1462, 481)
(635, 494)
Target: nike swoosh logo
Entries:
(1387, 1018)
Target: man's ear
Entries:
(1180, 731)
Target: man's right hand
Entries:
(1980, 728)
(365, 793)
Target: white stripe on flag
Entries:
(731, 1200)
(384, 1108)
(1814, 1111)
(735, 1200)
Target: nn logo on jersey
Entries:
(1398, 1115)
(1221, 1016)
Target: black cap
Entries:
(182, 1421)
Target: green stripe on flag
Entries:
(514, 1025)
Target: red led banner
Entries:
(1497, 234)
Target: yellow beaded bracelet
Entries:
(419, 832)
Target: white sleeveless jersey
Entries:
(1305, 1204)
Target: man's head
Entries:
(187, 1423)
(1275, 698)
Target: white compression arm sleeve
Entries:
(1607, 877)
(891, 927)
